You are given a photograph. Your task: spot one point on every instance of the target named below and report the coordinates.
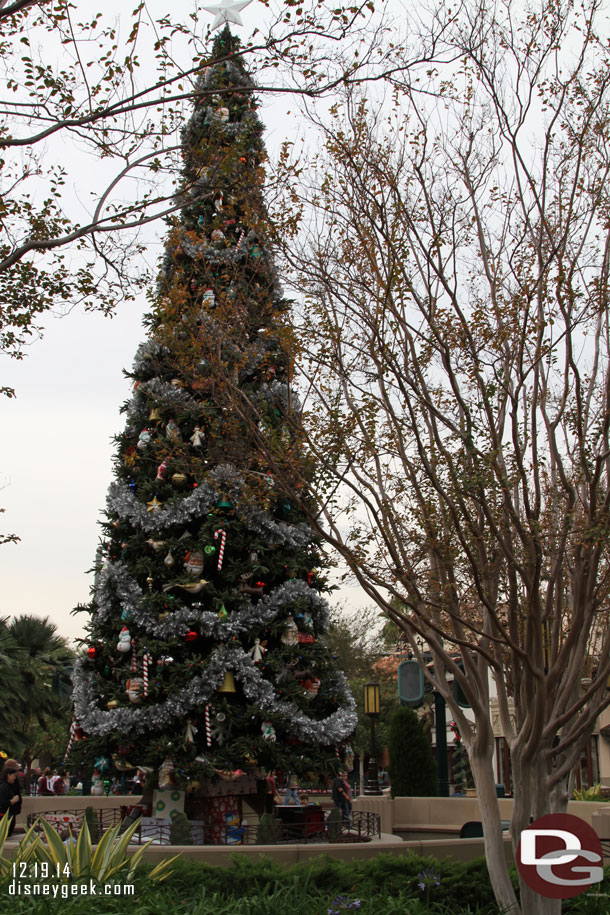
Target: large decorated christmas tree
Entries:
(205, 660)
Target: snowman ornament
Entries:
(268, 731)
(124, 642)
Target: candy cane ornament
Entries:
(73, 729)
(134, 660)
(239, 240)
(146, 660)
(208, 730)
(221, 551)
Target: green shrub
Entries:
(334, 825)
(412, 766)
(266, 833)
(91, 819)
(180, 832)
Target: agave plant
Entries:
(79, 860)
(26, 851)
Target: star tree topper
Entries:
(227, 11)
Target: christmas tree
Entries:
(205, 655)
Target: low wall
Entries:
(460, 850)
(442, 814)
(73, 803)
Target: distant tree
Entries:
(40, 713)
(412, 767)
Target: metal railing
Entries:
(363, 826)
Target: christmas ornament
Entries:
(227, 11)
(268, 731)
(172, 431)
(189, 736)
(91, 652)
(146, 662)
(223, 114)
(194, 563)
(249, 589)
(169, 560)
(154, 415)
(134, 687)
(124, 643)
(154, 505)
(112, 704)
(156, 544)
(218, 236)
(179, 479)
(220, 727)
(312, 687)
(208, 299)
(197, 438)
(166, 774)
(218, 199)
(161, 469)
(290, 635)
(221, 551)
(209, 550)
(257, 651)
(130, 457)
(144, 439)
(222, 613)
(193, 587)
(228, 684)
(71, 739)
(126, 614)
(208, 731)
(239, 240)
(305, 639)
(191, 636)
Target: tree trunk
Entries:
(482, 770)
(533, 799)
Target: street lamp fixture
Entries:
(372, 707)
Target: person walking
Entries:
(340, 796)
(44, 786)
(10, 795)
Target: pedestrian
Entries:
(383, 778)
(57, 782)
(340, 796)
(291, 790)
(10, 795)
(272, 796)
(44, 788)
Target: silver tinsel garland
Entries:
(117, 591)
(223, 482)
(199, 691)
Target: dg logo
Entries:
(559, 856)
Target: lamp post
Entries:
(372, 707)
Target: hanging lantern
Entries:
(228, 684)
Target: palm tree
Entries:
(45, 662)
(12, 661)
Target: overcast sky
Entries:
(55, 459)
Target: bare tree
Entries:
(452, 261)
(117, 92)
